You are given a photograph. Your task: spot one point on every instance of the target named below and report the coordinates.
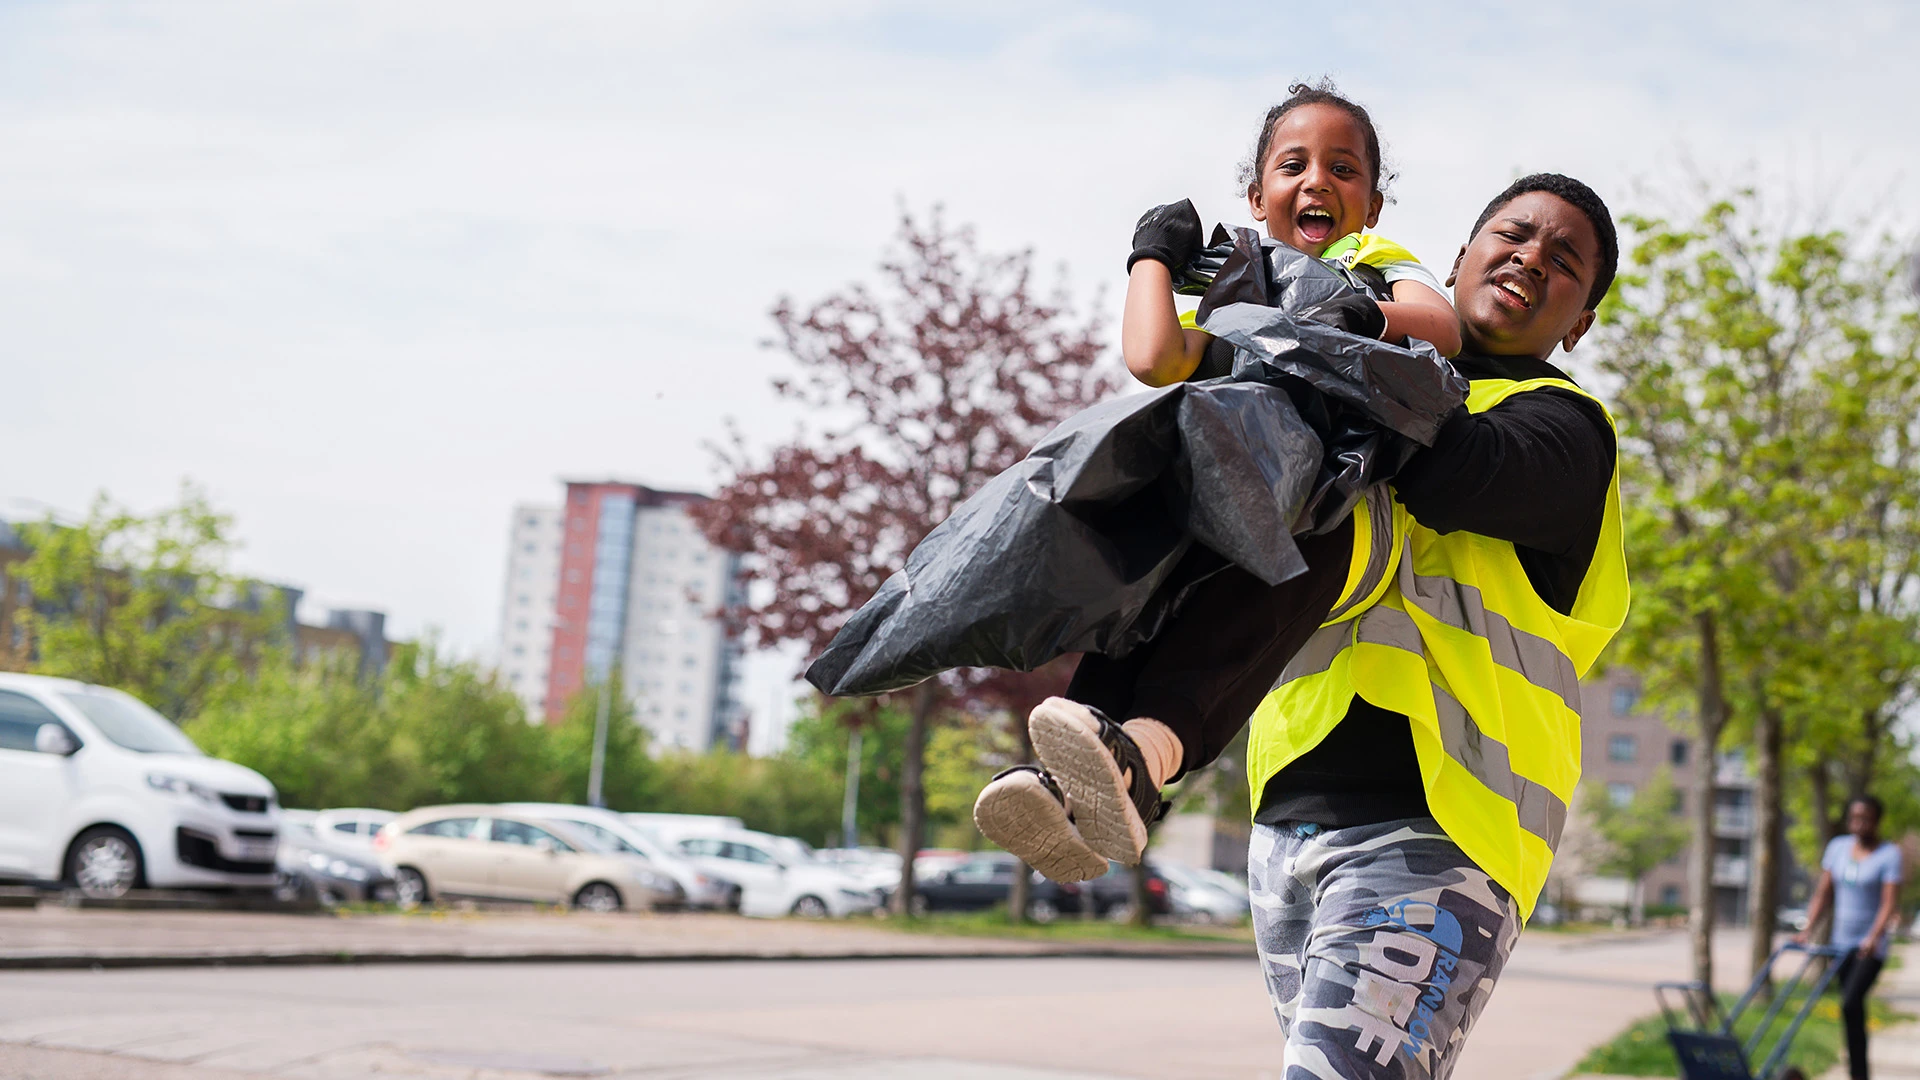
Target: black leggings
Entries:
(1208, 668)
(1855, 980)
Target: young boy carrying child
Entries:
(1315, 181)
(1415, 718)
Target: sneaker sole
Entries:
(1019, 814)
(1067, 741)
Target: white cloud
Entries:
(374, 272)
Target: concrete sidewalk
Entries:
(984, 1018)
(52, 937)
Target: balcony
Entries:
(1730, 870)
(1733, 821)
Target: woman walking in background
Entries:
(1860, 877)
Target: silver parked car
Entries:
(1205, 896)
(703, 889)
(493, 853)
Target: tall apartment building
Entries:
(619, 576)
(1622, 746)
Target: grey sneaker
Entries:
(1105, 777)
(1025, 812)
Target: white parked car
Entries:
(776, 874)
(101, 792)
(876, 868)
(677, 823)
(354, 825)
(704, 890)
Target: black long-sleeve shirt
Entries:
(1534, 470)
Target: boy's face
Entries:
(1520, 285)
(1316, 184)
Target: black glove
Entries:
(1356, 313)
(1170, 234)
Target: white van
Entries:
(100, 792)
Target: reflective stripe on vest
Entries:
(1456, 639)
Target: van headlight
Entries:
(163, 782)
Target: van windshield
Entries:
(128, 722)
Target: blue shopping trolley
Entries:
(1701, 1032)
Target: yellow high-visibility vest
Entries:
(1449, 631)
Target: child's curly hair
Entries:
(1321, 92)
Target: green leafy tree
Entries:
(782, 795)
(458, 734)
(317, 732)
(819, 737)
(147, 603)
(963, 753)
(1764, 380)
(1638, 836)
(434, 730)
(629, 775)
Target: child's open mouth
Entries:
(1316, 225)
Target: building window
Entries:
(1679, 752)
(1625, 700)
(1622, 748)
(1619, 794)
(1679, 802)
(1670, 896)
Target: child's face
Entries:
(1316, 184)
(1521, 284)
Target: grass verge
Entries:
(1642, 1049)
(994, 923)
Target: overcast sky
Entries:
(374, 272)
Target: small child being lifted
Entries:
(1315, 181)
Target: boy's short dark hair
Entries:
(1584, 200)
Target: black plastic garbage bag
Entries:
(1073, 549)
(1372, 405)
(1079, 547)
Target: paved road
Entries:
(973, 1019)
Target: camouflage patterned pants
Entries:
(1380, 945)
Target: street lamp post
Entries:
(849, 837)
(596, 772)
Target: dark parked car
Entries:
(985, 880)
(1112, 891)
(316, 866)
